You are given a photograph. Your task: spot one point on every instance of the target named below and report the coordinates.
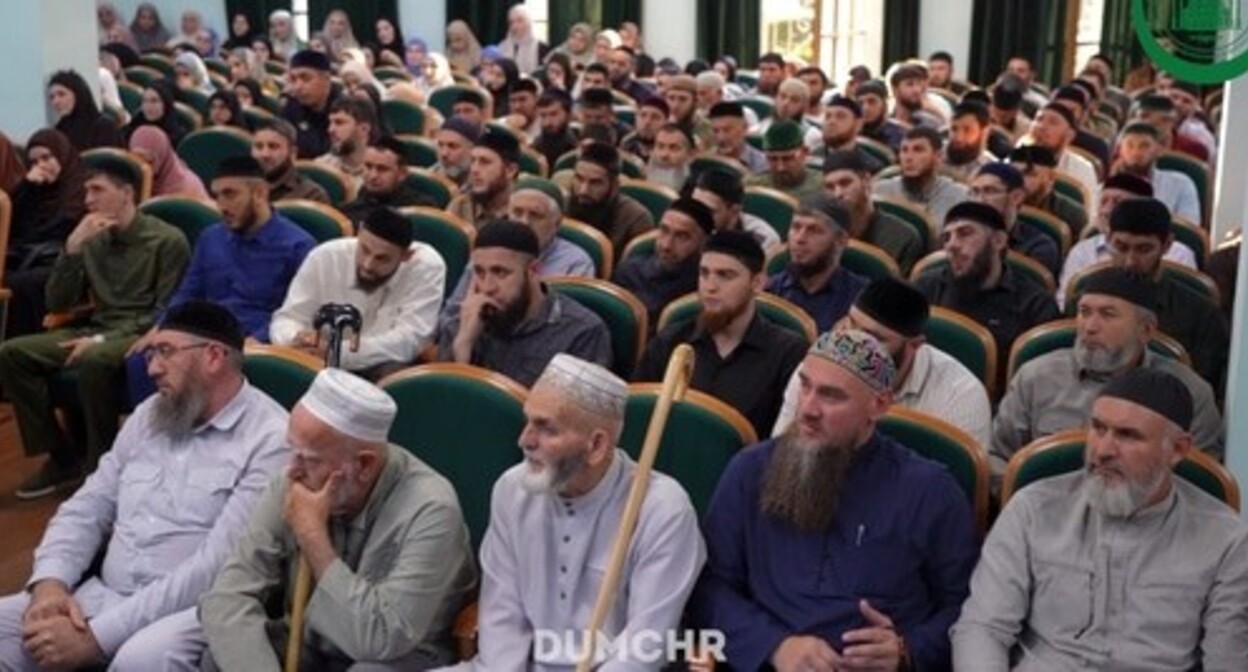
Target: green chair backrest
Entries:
(962, 341)
(218, 66)
(205, 149)
(911, 217)
(656, 198)
(430, 186)
(282, 378)
(703, 163)
(254, 116)
(443, 99)
(143, 75)
(327, 178)
(1052, 227)
(869, 261)
(1193, 281)
(321, 221)
(390, 73)
(196, 99)
(404, 117)
(131, 96)
(1193, 238)
(762, 107)
(565, 162)
(773, 207)
(878, 151)
(441, 407)
(1072, 191)
(943, 443)
(531, 164)
(592, 246)
(160, 63)
(641, 246)
(275, 68)
(190, 117)
(755, 140)
(623, 314)
(747, 80)
(188, 215)
(702, 435)
(449, 236)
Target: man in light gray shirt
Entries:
(1118, 567)
(920, 183)
(166, 504)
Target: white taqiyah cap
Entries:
(351, 405)
(588, 385)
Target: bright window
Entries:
(1088, 37)
(837, 37)
(299, 9)
(539, 12)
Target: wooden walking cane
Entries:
(340, 318)
(675, 383)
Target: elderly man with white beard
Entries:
(1118, 566)
(553, 519)
(834, 547)
(1115, 319)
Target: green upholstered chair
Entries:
(190, 216)
(626, 114)
(1062, 453)
(566, 161)
(190, 117)
(217, 66)
(1058, 334)
(206, 148)
(443, 99)
(282, 373)
(623, 313)
(131, 96)
(389, 73)
(321, 221)
(336, 184)
(777, 310)
(275, 68)
(710, 161)
(143, 75)
(405, 117)
(162, 64)
(1048, 224)
(254, 116)
(531, 162)
(423, 181)
(862, 258)
(1073, 189)
(195, 98)
(657, 198)
(1191, 235)
(942, 442)
(967, 341)
(763, 107)
(1197, 170)
(772, 205)
(140, 170)
(641, 246)
(747, 79)
(440, 420)
(451, 236)
(594, 242)
(701, 437)
(878, 150)
(914, 218)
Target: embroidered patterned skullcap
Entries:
(351, 405)
(860, 354)
(590, 386)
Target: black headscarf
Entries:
(171, 124)
(243, 40)
(47, 212)
(398, 46)
(230, 99)
(511, 73)
(85, 127)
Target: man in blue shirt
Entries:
(833, 546)
(245, 263)
(814, 280)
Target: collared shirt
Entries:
(1178, 192)
(937, 385)
(753, 158)
(655, 286)
(170, 511)
(1052, 393)
(621, 219)
(399, 317)
(1094, 250)
(895, 237)
(825, 305)
(812, 183)
(311, 126)
(750, 378)
(1067, 210)
(248, 275)
(367, 202)
(404, 569)
(464, 207)
(940, 195)
(1027, 239)
(1013, 306)
(1061, 586)
(294, 185)
(543, 559)
(903, 538)
(130, 274)
(561, 325)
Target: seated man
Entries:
(967, 150)
(381, 532)
(455, 141)
(979, 284)
(792, 102)
(1002, 186)
(164, 529)
(814, 280)
(742, 358)
(574, 481)
(1115, 318)
(1039, 167)
(396, 282)
(597, 201)
(1119, 565)
(928, 380)
(672, 271)
(669, 161)
(127, 264)
(495, 165)
(872, 96)
(1054, 129)
(554, 116)
(311, 92)
(786, 162)
(1140, 144)
(383, 186)
(511, 322)
(848, 179)
(652, 114)
(729, 128)
(723, 192)
(352, 128)
(273, 145)
(834, 547)
(920, 183)
(244, 264)
(842, 126)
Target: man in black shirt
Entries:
(311, 94)
(384, 170)
(672, 271)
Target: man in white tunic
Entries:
(552, 523)
(167, 504)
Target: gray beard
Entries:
(177, 416)
(804, 481)
(672, 177)
(1103, 360)
(1119, 501)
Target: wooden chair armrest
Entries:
(465, 632)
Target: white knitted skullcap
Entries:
(351, 405)
(586, 384)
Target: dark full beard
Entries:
(370, 285)
(347, 148)
(715, 321)
(959, 155)
(502, 321)
(488, 196)
(811, 268)
(975, 276)
(804, 481)
(177, 416)
(916, 185)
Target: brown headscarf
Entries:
(11, 168)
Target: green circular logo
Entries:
(1198, 41)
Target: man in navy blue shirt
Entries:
(245, 263)
(834, 547)
(814, 279)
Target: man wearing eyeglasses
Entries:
(1002, 186)
(176, 492)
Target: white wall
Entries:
(945, 26)
(670, 28)
(213, 12)
(425, 19)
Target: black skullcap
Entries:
(847, 103)
(725, 184)
(526, 85)
(977, 96)
(1073, 94)
(502, 143)
(470, 131)
(596, 97)
(980, 213)
(390, 226)
(872, 86)
(697, 211)
(1141, 216)
(117, 169)
(1158, 391)
(1006, 98)
(531, 183)
(1009, 175)
(1135, 288)
(207, 320)
(472, 97)
(727, 108)
(657, 103)
(1154, 103)
(310, 59)
(1034, 155)
(391, 144)
(1142, 128)
(821, 202)
(738, 244)
(1132, 184)
(602, 154)
(1186, 87)
(971, 108)
(844, 159)
(240, 166)
(509, 235)
(1065, 114)
(896, 304)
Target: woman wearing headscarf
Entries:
(245, 63)
(249, 92)
(158, 110)
(206, 42)
(498, 78)
(224, 110)
(521, 45)
(111, 29)
(559, 73)
(126, 57)
(437, 73)
(579, 47)
(147, 29)
(463, 50)
(170, 176)
(414, 58)
(188, 29)
(338, 33)
(80, 119)
(391, 50)
(48, 201)
(285, 43)
(192, 73)
(241, 32)
(110, 95)
(356, 75)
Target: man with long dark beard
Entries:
(920, 183)
(166, 506)
(834, 547)
(742, 358)
(1117, 566)
(510, 321)
(814, 279)
(495, 165)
